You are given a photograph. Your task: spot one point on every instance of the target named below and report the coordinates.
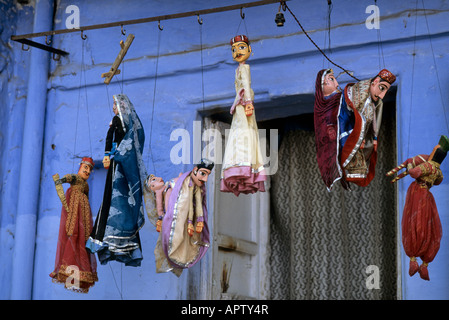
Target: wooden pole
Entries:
(114, 69)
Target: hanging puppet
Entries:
(242, 170)
(73, 262)
(178, 209)
(347, 125)
(115, 235)
(327, 100)
(421, 225)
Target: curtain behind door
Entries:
(323, 242)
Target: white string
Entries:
(154, 100)
(436, 67)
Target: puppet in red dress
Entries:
(421, 225)
(74, 265)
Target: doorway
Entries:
(334, 245)
(297, 240)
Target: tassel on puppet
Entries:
(421, 225)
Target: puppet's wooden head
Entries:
(241, 49)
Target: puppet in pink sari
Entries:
(421, 225)
(242, 170)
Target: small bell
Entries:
(279, 19)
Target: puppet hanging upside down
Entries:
(421, 225)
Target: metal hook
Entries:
(159, 25)
(56, 57)
(200, 21)
(46, 41)
(83, 36)
(23, 47)
(284, 5)
(242, 15)
(123, 31)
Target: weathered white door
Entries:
(238, 267)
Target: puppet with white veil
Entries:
(115, 235)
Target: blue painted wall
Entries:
(77, 109)
(13, 97)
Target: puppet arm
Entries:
(160, 209)
(190, 217)
(408, 164)
(199, 211)
(428, 172)
(60, 189)
(246, 99)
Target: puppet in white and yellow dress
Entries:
(242, 170)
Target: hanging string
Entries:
(120, 83)
(413, 78)
(327, 36)
(202, 64)
(109, 106)
(305, 32)
(82, 74)
(380, 50)
(87, 100)
(436, 68)
(202, 77)
(154, 98)
(242, 16)
(115, 281)
(76, 128)
(123, 76)
(329, 12)
(123, 73)
(121, 86)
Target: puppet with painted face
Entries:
(347, 125)
(75, 227)
(327, 100)
(115, 235)
(359, 121)
(178, 209)
(242, 170)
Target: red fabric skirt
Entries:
(421, 226)
(326, 133)
(75, 267)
